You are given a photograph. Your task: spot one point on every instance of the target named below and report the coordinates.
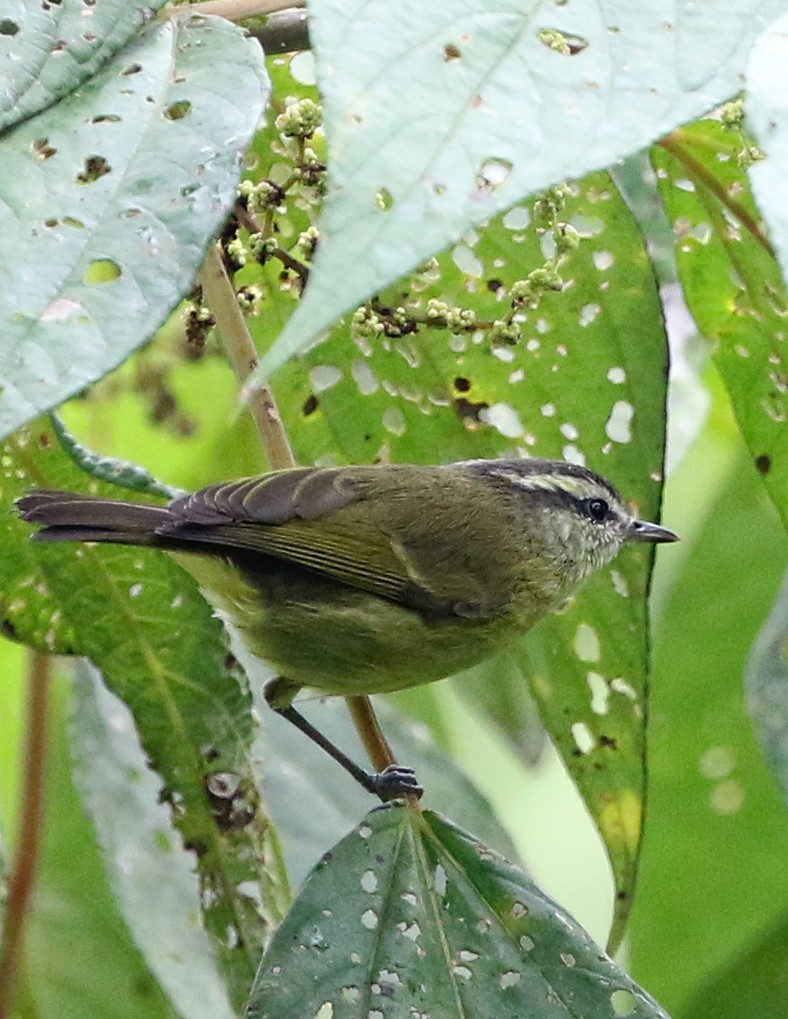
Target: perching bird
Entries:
(361, 580)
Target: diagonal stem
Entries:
(230, 323)
(31, 815)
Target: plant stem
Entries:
(31, 815)
(220, 295)
(231, 324)
(236, 10)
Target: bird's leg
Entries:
(395, 782)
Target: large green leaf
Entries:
(48, 49)
(587, 383)
(152, 877)
(142, 621)
(713, 868)
(751, 984)
(733, 286)
(440, 116)
(108, 200)
(411, 916)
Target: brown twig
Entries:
(220, 296)
(221, 299)
(31, 816)
(237, 10)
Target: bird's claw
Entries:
(394, 783)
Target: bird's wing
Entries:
(312, 517)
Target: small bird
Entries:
(362, 580)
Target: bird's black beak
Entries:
(642, 530)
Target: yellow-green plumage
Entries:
(359, 580)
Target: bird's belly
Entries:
(340, 640)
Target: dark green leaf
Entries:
(142, 621)
(410, 916)
(586, 383)
(152, 877)
(751, 984)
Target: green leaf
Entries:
(437, 122)
(751, 984)
(767, 688)
(586, 383)
(408, 915)
(80, 961)
(155, 886)
(733, 287)
(142, 621)
(713, 866)
(47, 50)
(108, 201)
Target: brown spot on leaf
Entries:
(451, 52)
(763, 463)
(469, 413)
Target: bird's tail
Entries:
(66, 516)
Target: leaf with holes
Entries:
(142, 621)
(48, 49)
(586, 382)
(151, 874)
(410, 916)
(108, 200)
(440, 116)
(733, 287)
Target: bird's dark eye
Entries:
(597, 509)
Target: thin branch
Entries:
(31, 816)
(220, 296)
(237, 10)
(221, 299)
(283, 32)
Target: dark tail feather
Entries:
(66, 516)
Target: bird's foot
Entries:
(394, 783)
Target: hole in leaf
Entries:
(42, 149)
(93, 168)
(102, 270)
(178, 110)
(131, 69)
(565, 43)
(585, 743)
(492, 174)
(8, 27)
(384, 200)
(105, 118)
(624, 1002)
